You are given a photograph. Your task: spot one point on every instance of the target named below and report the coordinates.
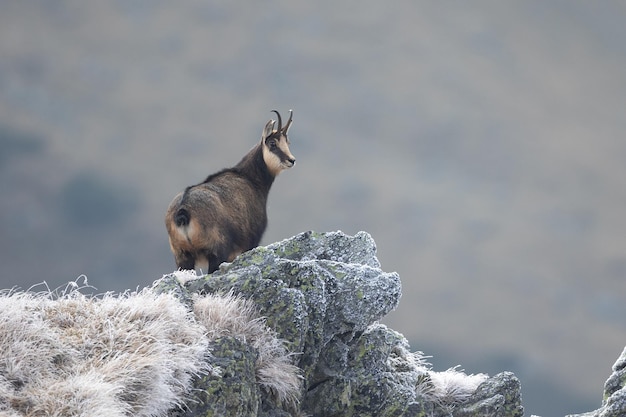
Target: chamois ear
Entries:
(268, 130)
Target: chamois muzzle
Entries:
(289, 162)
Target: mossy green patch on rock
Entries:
(499, 396)
(307, 291)
(332, 246)
(232, 392)
(365, 376)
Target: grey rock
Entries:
(498, 396)
(312, 289)
(323, 294)
(614, 398)
(233, 392)
(372, 375)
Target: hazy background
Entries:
(480, 143)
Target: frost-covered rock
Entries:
(290, 329)
(323, 294)
(311, 288)
(614, 398)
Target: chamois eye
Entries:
(273, 144)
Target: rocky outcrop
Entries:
(290, 329)
(323, 294)
(614, 398)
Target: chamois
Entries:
(226, 214)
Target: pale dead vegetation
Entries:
(237, 317)
(453, 387)
(113, 355)
(133, 354)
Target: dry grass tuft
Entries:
(64, 353)
(237, 317)
(449, 388)
(71, 354)
(453, 386)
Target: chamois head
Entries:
(275, 145)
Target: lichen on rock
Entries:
(323, 294)
(311, 288)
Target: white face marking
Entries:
(273, 161)
(283, 145)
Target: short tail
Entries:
(181, 218)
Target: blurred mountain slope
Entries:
(480, 144)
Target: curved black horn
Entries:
(280, 121)
(286, 128)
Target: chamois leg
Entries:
(184, 260)
(202, 264)
(216, 257)
(214, 262)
